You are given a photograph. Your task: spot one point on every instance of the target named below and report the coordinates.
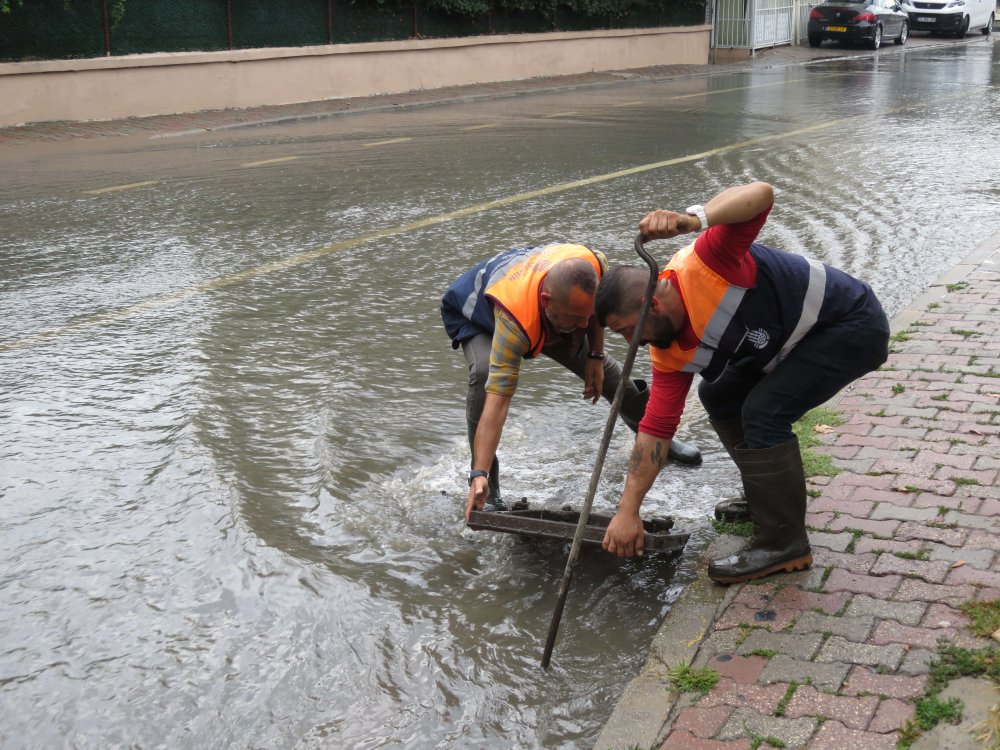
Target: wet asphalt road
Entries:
(232, 457)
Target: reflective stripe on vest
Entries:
(710, 302)
(515, 286)
(512, 259)
(811, 306)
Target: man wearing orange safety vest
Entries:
(519, 304)
(772, 335)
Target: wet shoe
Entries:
(494, 506)
(733, 510)
(754, 562)
(775, 487)
(683, 453)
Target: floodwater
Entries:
(232, 458)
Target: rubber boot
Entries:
(730, 432)
(775, 487)
(493, 501)
(632, 410)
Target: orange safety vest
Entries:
(517, 290)
(710, 302)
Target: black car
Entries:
(867, 21)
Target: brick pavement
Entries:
(834, 657)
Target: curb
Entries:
(642, 712)
(774, 58)
(632, 75)
(643, 716)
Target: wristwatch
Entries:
(478, 473)
(698, 210)
(595, 355)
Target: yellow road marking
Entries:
(157, 303)
(278, 160)
(118, 188)
(729, 91)
(270, 161)
(385, 143)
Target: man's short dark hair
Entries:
(620, 292)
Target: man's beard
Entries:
(663, 332)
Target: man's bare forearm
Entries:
(488, 432)
(649, 455)
(739, 203)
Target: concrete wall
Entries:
(138, 85)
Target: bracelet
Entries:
(478, 473)
(596, 355)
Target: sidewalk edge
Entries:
(641, 717)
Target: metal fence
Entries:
(59, 29)
(754, 24)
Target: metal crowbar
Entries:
(602, 452)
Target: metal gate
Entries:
(753, 24)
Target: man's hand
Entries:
(593, 380)
(662, 225)
(479, 491)
(624, 536)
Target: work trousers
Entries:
(823, 363)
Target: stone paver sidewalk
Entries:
(834, 657)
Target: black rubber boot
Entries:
(632, 410)
(775, 487)
(730, 432)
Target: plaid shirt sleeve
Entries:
(510, 344)
(602, 260)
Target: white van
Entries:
(954, 17)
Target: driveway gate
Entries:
(752, 24)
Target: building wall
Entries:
(140, 85)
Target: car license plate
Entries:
(926, 19)
(836, 28)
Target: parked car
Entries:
(957, 17)
(867, 21)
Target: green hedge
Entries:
(58, 29)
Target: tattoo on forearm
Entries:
(635, 459)
(657, 456)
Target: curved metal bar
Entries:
(602, 452)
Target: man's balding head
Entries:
(568, 274)
(568, 294)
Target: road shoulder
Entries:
(901, 538)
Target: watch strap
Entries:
(698, 210)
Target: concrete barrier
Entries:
(170, 83)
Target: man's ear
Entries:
(545, 299)
(655, 307)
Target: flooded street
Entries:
(232, 457)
